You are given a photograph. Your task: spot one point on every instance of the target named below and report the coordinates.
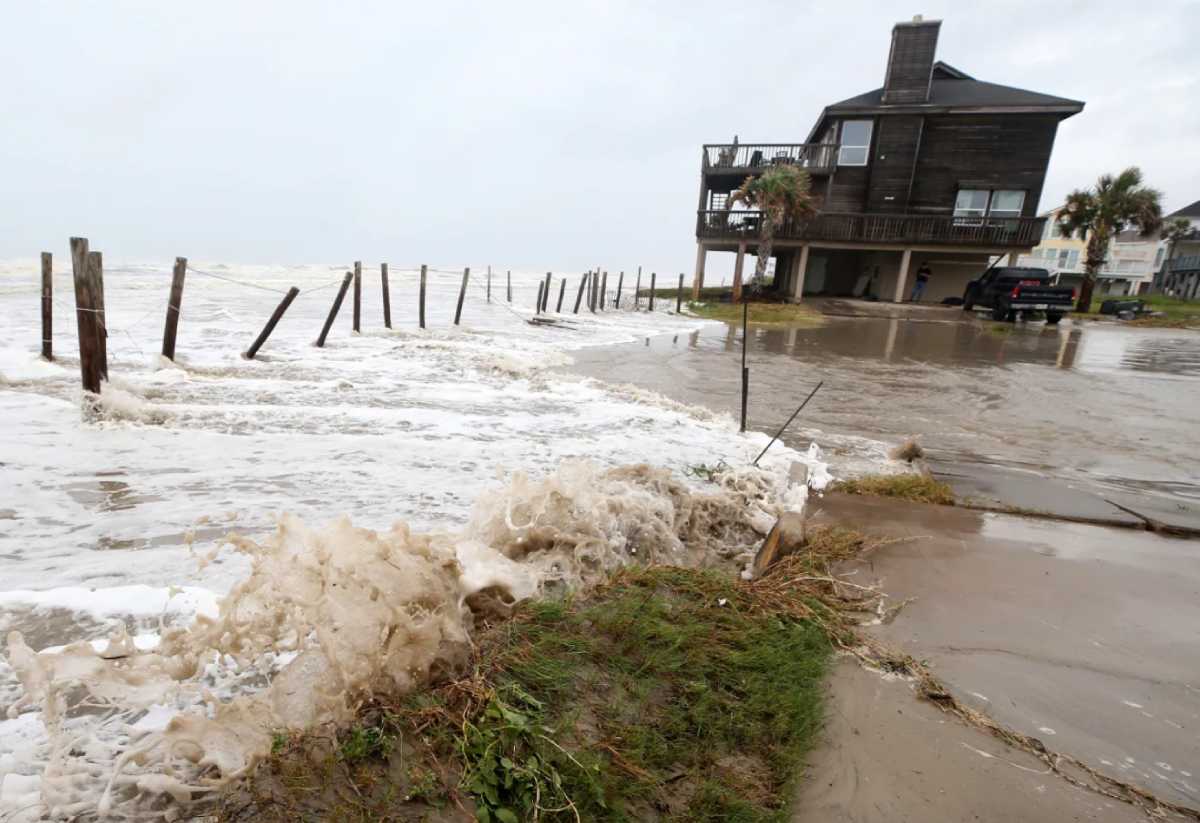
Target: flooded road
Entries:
(1108, 406)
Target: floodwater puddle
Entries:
(1092, 403)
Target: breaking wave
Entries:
(326, 616)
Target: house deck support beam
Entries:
(801, 270)
(698, 279)
(902, 276)
(737, 272)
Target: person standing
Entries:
(923, 274)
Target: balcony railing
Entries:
(750, 157)
(1186, 263)
(879, 228)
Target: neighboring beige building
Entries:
(1130, 267)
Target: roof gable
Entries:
(1187, 211)
(963, 92)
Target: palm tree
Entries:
(1178, 229)
(780, 194)
(1100, 213)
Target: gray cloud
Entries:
(521, 134)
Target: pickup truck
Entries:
(1007, 290)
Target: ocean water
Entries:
(448, 446)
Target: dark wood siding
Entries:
(848, 190)
(1006, 151)
(892, 164)
(848, 184)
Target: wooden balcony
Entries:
(896, 229)
(748, 158)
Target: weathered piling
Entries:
(421, 299)
(745, 368)
(637, 291)
(653, 277)
(679, 295)
(357, 295)
(88, 272)
(387, 296)
(489, 284)
(337, 304)
(47, 305)
(593, 285)
(603, 290)
(620, 283)
(508, 278)
(546, 294)
(562, 289)
(271, 323)
(537, 307)
(582, 285)
(462, 293)
(174, 301)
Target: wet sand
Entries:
(887, 757)
(1084, 637)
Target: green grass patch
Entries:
(666, 694)
(761, 314)
(707, 293)
(1175, 313)
(919, 488)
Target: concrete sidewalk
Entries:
(1085, 637)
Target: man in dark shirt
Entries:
(923, 274)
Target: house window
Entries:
(1007, 203)
(1158, 256)
(971, 203)
(856, 143)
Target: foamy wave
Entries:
(120, 405)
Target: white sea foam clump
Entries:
(328, 616)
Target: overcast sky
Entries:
(549, 135)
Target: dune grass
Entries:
(666, 694)
(918, 488)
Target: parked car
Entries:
(1007, 290)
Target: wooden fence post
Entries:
(462, 293)
(337, 304)
(620, 283)
(421, 300)
(679, 295)
(47, 305)
(387, 296)
(582, 285)
(508, 276)
(87, 268)
(173, 304)
(546, 294)
(637, 291)
(357, 294)
(537, 308)
(653, 277)
(562, 289)
(271, 322)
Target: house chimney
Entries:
(910, 62)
